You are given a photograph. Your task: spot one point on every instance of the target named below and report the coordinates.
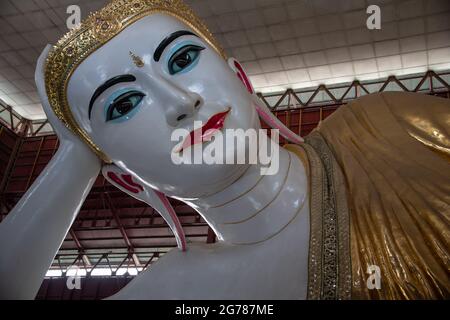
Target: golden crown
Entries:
(96, 30)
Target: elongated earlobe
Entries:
(275, 123)
(157, 200)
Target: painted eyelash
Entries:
(178, 50)
(181, 45)
(183, 52)
(123, 96)
(117, 97)
(113, 97)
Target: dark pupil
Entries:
(183, 60)
(124, 107)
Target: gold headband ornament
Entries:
(94, 32)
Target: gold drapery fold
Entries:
(394, 151)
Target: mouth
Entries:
(205, 133)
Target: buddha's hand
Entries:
(65, 135)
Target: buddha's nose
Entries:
(178, 103)
(183, 106)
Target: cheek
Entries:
(143, 136)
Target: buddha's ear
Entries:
(264, 112)
(241, 74)
(157, 200)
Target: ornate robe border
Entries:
(329, 254)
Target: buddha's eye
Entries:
(123, 105)
(184, 59)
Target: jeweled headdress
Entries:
(94, 32)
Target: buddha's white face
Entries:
(130, 112)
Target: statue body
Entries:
(115, 89)
(254, 259)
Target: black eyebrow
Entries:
(168, 40)
(107, 84)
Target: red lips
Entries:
(214, 124)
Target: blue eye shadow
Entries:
(128, 116)
(178, 47)
(111, 99)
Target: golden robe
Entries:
(379, 172)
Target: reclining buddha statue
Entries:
(369, 189)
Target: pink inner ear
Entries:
(129, 179)
(122, 183)
(127, 183)
(268, 117)
(241, 74)
(179, 232)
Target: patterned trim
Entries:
(329, 253)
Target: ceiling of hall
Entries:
(282, 43)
